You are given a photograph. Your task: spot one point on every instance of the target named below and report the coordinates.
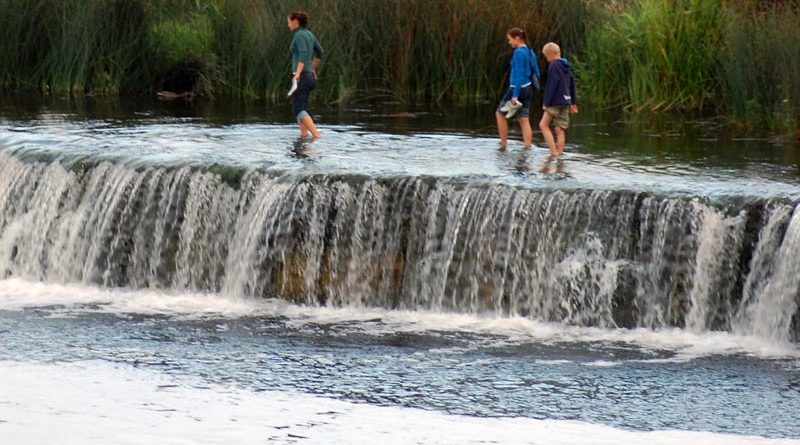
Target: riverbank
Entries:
(739, 60)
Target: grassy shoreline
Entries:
(734, 58)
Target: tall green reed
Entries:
(654, 55)
(760, 67)
(739, 57)
(71, 46)
(404, 49)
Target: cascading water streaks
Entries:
(775, 308)
(710, 283)
(584, 257)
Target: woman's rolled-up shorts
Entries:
(525, 96)
(305, 84)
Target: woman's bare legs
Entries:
(527, 132)
(502, 128)
(307, 125)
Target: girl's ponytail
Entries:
(519, 32)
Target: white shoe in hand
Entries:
(293, 88)
(513, 108)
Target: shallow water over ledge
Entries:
(390, 140)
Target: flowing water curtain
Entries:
(589, 258)
(771, 292)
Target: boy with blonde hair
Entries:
(559, 99)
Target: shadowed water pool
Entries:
(477, 367)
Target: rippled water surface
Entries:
(387, 140)
(469, 366)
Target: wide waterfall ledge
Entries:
(564, 252)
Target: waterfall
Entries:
(773, 294)
(604, 258)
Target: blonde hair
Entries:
(551, 48)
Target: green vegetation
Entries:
(738, 58)
(406, 49)
(71, 46)
(653, 55)
(760, 67)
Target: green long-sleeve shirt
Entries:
(304, 48)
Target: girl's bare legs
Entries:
(502, 128)
(527, 132)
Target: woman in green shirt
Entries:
(306, 56)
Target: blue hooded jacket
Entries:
(560, 88)
(523, 67)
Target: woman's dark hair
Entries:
(519, 32)
(301, 17)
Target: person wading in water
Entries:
(306, 56)
(517, 100)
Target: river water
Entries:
(198, 274)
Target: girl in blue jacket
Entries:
(517, 100)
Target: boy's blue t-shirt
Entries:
(523, 67)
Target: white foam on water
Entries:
(554, 362)
(71, 299)
(601, 364)
(67, 300)
(97, 402)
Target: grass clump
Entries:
(183, 51)
(654, 55)
(71, 46)
(760, 67)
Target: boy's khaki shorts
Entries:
(560, 115)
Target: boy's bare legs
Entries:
(544, 125)
(307, 124)
(548, 164)
(561, 140)
(502, 128)
(527, 132)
